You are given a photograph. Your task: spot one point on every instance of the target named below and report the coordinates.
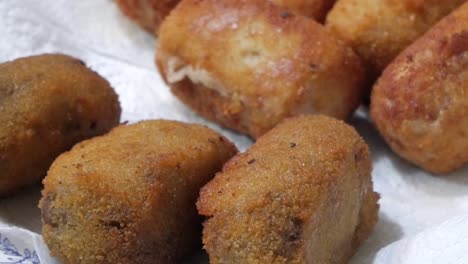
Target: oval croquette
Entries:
(248, 64)
(301, 194)
(47, 104)
(379, 30)
(420, 103)
(129, 196)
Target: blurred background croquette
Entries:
(47, 104)
(379, 30)
(420, 104)
(149, 14)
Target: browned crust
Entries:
(379, 30)
(420, 103)
(292, 65)
(129, 196)
(301, 194)
(47, 104)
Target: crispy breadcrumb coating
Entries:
(47, 104)
(301, 194)
(129, 196)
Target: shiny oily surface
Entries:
(420, 104)
(247, 65)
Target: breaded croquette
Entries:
(149, 14)
(47, 104)
(420, 104)
(128, 197)
(379, 30)
(301, 194)
(248, 64)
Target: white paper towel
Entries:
(423, 219)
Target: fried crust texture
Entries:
(129, 197)
(48, 103)
(301, 194)
(379, 30)
(420, 104)
(248, 64)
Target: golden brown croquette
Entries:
(47, 104)
(420, 104)
(248, 64)
(129, 196)
(301, 194)
(379, 30)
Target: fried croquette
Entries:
(379, 30)
(301, 194)
(149, 14)
(248, 64)
(420, 104)
(47, 104)
(129, 196)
